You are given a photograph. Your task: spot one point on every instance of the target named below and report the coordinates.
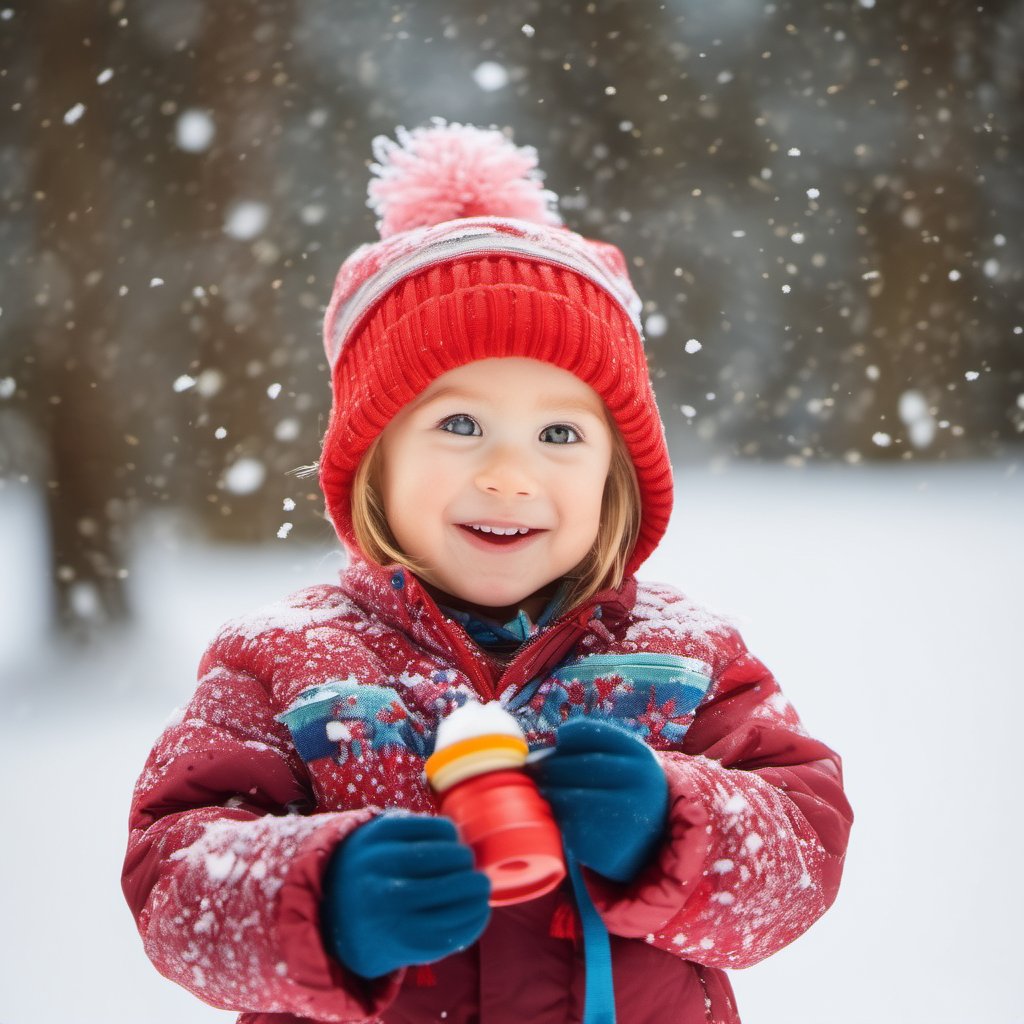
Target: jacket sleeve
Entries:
(224, 864)
(756, 833)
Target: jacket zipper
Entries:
(528, 653)
(479, 676)
(534, 652)
(465, 657)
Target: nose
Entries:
(505, 472)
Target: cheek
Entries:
(417, 487)
(581, 490)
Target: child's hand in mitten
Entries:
(609, 794)
(401, 890)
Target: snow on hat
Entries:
(474, 263)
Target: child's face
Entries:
(499, 441)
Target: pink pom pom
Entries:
(448, 171)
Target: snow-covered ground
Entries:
(886, 600)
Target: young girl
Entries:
(496, 468)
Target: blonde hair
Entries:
(603, 566)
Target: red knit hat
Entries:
(474, 263)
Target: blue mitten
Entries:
(401, 890)
(609, 794)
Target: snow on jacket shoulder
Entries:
(318, 712)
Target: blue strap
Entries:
(599, 994)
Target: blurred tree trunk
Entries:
(241, 82)
(76, 320)
(935, 323)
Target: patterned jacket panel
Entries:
(361, 697)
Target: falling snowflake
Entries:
(490, 76)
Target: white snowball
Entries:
(194, 131)
(490, 76)
(914, 412)
(287, 429)
(246, 219)
(474, 719)
(245, 476)
(313, 213)
(655, 325)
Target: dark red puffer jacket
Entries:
(313, 714)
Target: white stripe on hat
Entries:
(442, 242)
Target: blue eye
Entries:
(462, 420)
(465, 426)
(559, 432)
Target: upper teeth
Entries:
(503, 530)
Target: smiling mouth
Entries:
(497, 540)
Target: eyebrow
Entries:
(560, 402)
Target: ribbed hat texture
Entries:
(473, 263)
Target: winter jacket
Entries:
(316, 713)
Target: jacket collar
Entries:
(516, 630)
(396, 597)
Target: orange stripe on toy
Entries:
(474, 745)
